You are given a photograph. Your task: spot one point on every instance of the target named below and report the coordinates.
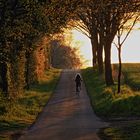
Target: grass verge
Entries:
(21, 113)
(121, 131)
(110, 105)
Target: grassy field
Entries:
(131, 74)
(109, 105)
(16, 115)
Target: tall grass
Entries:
(22, 112)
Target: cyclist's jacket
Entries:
(78, 78)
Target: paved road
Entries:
(67, 116)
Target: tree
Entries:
(84, 22)
(63, 56)
(103, 17)
(22, 22)
(127, 24)
(100, 22)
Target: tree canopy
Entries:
(24, 22)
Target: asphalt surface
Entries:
(67, 116)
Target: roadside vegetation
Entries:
(110, 105)
(18, 114)
(121, 131)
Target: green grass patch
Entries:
(22, 112)
(108, 104)
(131, 72)
(122, 131)
(105, 100)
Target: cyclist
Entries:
(78, 80)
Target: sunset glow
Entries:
(85, 46)
(130, 49)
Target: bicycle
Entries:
(78, 88)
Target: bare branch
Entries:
(130, 29)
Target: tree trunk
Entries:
(21, 61)
(108, 69)
(94, 43)
(100, 57)
(27, 70)
(3, 74)
(120, 64)
(120, 69)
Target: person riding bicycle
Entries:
(78, 80)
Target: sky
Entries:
(130, 49)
